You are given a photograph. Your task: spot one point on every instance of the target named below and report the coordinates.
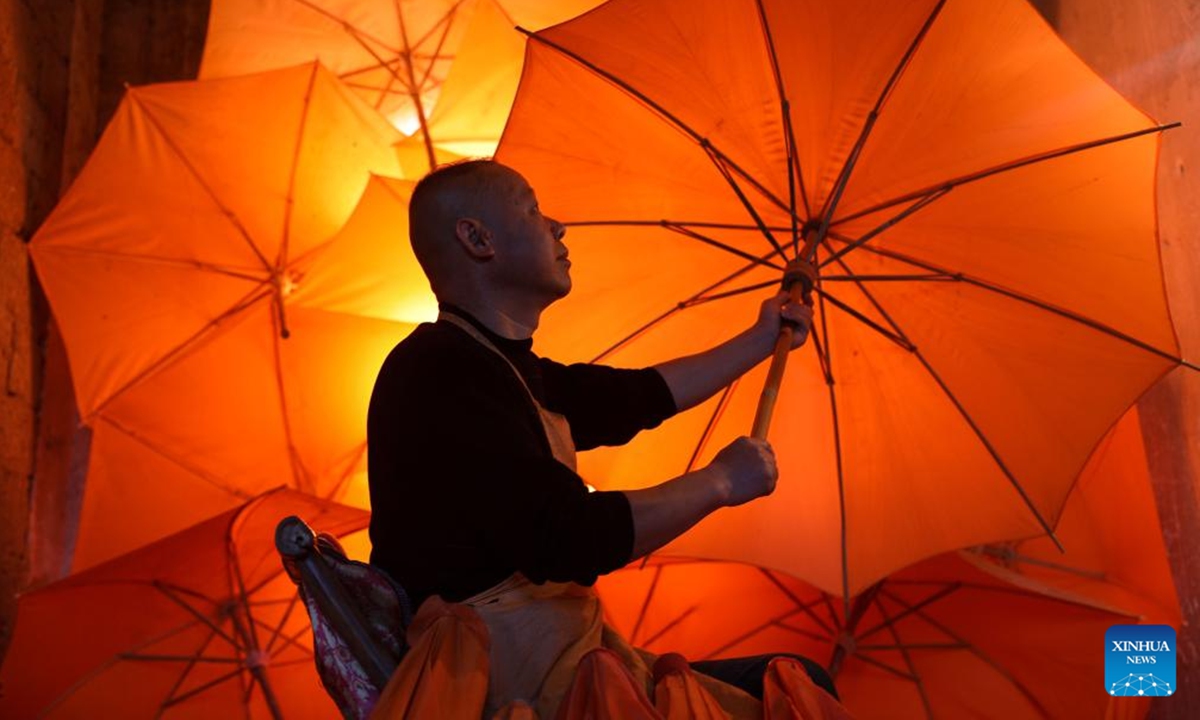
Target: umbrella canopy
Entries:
(1112, 534)
(201, 624)
(947, 638)
(404, 57)
(979, 210)
(178, 266)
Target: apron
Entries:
(540, 632)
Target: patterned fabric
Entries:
(387, 611)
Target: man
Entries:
(472, 437)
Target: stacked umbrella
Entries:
(974, 208)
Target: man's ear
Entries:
(475, 238)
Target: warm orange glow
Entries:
(108, 642)
(202, 227)
(970, 640)
(977, 287)
(465, 56)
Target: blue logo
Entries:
(1139, 660)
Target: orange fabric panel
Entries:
(202, 226)
(789, 694)
(463, 52)
(1114, 549)
(679, 696)
(445, 673)
(162, 629)
(948, 637)
(604, 689)
(981, 344)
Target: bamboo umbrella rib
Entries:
(923, 202)
(669, 626)
(277, 631)
(887, 668)
(732, 293)
(832, 200)
(946, 590)
(415, 90)
(827, 601)
(109, 663)
(351, 29)
(183, 675)
(1008, 556)
(681, 223)
(637, 625)
(971, 648)
(789, 138)
(256, 294)
(1034, 302)
(181, 658)
(758, 260)
(908, 661)
(344, 478)
(199, 472)
(159, 260)
(1003, 168)
(824, 349)
(677, 308)
(300, 474)
(170, 592)
(844, 307)
(663, 114)
(133, 94)
(801, 606)
(765, 625)
(281, 260)
(711, 425)
(202, 688)
(822, 358)
(741, 196)
(1012, 479)
(906, 343)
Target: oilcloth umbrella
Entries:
(397, 54)
(977, 207)
(1112, 534)
(946, 638)
(201, 624)
(177, 267)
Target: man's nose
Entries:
(557, 229)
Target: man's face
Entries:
(528, 243)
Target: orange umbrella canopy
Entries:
(979, 209)
(1110, 529)
(201, 624)
(404, 57)
(186, 267)
(946, 638)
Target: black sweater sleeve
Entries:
(606, 405)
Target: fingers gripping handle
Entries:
(799, 278)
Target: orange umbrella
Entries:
(185, 267)
(404, 57)
(977, 205)
(202, 624)
(1112, 535)
(949, 637)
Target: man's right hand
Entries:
(748, 464)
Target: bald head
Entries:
(463, 190)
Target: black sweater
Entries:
(464, 489)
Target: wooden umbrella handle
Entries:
(799, 282)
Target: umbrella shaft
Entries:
(766, 402)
